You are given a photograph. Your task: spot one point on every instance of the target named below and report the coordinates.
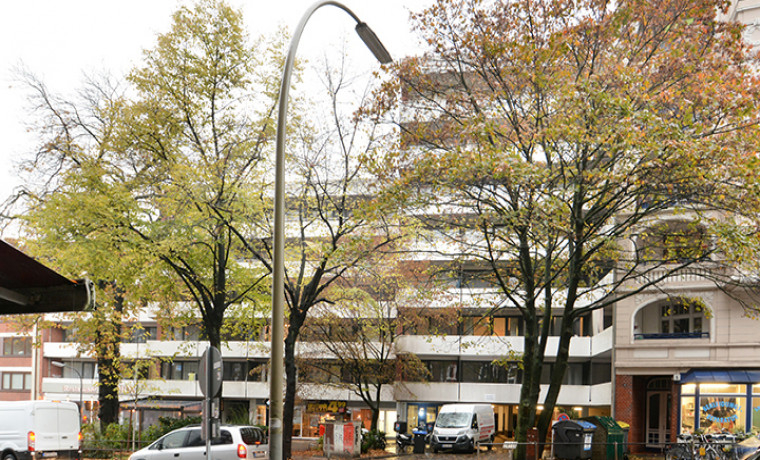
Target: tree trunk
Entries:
(108, 340)
(557, 376)
(108, 392)
(376, 408)
(288, 409)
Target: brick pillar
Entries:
(674, 407)
(630, 407)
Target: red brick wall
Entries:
(630, 407)
(675, 404)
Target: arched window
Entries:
(672, 319)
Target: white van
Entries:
(462, 427)
(31, 430)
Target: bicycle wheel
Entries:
(712, 453)
(678, 453)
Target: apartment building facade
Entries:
(658, 360)
(460, 366)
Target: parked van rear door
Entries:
(68, 427)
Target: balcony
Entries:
(672, 335)
(499, 393)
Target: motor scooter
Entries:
(403, 440)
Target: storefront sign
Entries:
(327, 406)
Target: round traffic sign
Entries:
(210, 372)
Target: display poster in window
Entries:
(721, 413)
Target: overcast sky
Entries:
(60, 41)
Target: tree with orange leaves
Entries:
(546, 137)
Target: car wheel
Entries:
(9, 456)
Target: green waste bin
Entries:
(626, 427)
(609, 439)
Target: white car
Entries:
(234, 443)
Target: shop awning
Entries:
(163, 404)
(27, 286)
(721, 376)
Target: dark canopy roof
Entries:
(27, 286)
(721, 376)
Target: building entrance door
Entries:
(658, 418)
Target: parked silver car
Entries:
(234, 443)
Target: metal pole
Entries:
(207, 403)
(278, 254)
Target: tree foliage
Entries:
(548, 139)
(355, 338)
(332, 226)
(154, 185)
(166, 176)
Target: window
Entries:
(224, 438)
(755, 408)
(500, 326)
(722, 413)
(191, 333)
(86, 369)
(174, 440)
(17, 346)
(241, 371)
(17, 381)
(680, 319)
(443, 371)
(476, 279)
(179, 370)
(575, 374)
(714, 407)
(141, 334)
(488, 372)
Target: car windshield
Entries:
(453, 420)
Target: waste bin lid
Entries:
(607, 423)
(623, 425)
(586, 425)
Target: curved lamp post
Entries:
(62, 365)
(278, 266)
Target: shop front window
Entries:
(755, 408)
(722, 388)
(722, 413)
(687, 414)
(755, 413)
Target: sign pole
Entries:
(210, 379)
(207, 401)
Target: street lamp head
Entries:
(57, 364)
(373, 43)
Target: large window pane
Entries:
(17, 346)
(689, 389)
(719, 413)
(722, 388)
(755, 413)
(687, 415)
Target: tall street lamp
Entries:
(62, 365)
(278, 264)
